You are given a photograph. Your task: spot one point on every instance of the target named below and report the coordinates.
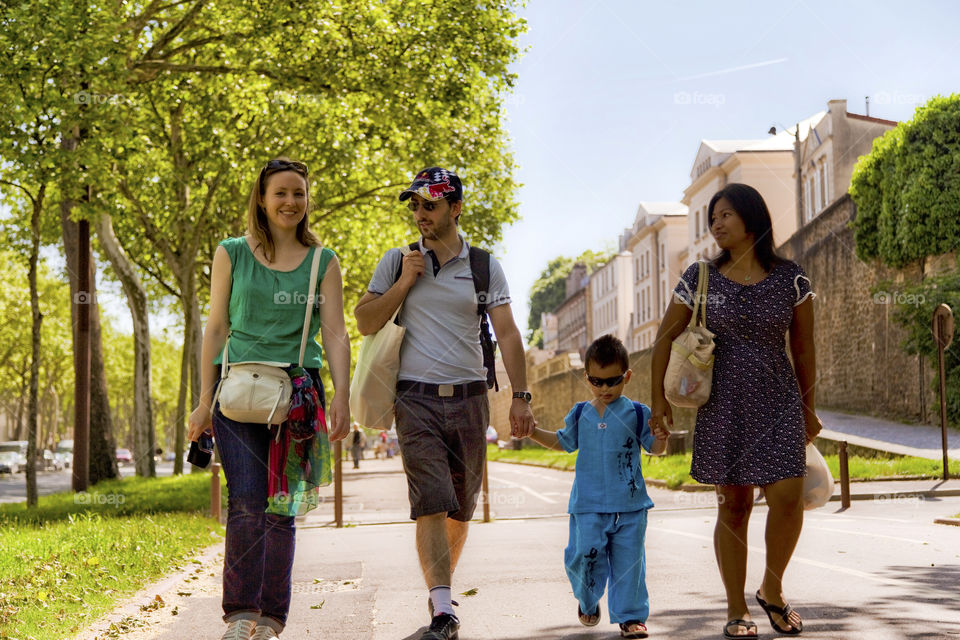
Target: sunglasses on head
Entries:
(427, 206)
(610, 382)
(284, 165)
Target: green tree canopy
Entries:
(550, 288)
(907, 189)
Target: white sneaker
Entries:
(239, 630)
(264, 632)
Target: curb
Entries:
(900, 495)
(662, 484)
(145, 597)
(951, 521)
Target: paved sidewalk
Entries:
(920, 440)
(852, 577)
(364, 581)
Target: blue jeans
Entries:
(258, 561)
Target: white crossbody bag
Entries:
(259, 392)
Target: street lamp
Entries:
(796, 168)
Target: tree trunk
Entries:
(103, 457)
(144, 440)
(185, 272)
(179, 439)
(18, 423)
(36, 319)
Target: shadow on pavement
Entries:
(923, 582)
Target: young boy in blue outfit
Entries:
(608, 501)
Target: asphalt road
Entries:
(880, 570)
(13, 487)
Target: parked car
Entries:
(9, 462)
(19, 449)
(64, 452)
(51, 461)
(124, 456)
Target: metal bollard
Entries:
(844, 476)
(215, 511)
(338, 483)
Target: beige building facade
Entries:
(768, 165)
(656, 241)
(829, 150)
(572, 314)
(609, 293)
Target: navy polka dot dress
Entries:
(751, 430)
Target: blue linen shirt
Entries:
(608, 478)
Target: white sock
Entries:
(440, 596)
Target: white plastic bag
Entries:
(818, 483)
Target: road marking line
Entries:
(873, 535)
(846, 518)
(506, 466)
(813, 563)
(517, 485)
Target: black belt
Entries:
(465, 390)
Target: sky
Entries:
(613, 97)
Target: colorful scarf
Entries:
(299, 452)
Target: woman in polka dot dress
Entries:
(753, 429)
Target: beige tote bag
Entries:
(373, 390)
(690, 369)
(818, 484)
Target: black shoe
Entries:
(443, 627)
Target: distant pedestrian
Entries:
(608, 502)
(253, 280)
(752, 430)
(358, 440)
(441, 408)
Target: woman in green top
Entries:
(258, 289)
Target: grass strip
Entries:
(675, 470)
(70, 560)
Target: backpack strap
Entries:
(480, 271)
(578, 411)
(413, 246)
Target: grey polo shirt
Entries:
(442, 341)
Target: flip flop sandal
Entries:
(771, 609)
(585, 618)
(737, 622)
(625, 631)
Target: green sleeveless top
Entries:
(267, 307)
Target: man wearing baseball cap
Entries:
(441, 408)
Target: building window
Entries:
(706, 223)
(696, 234)
(823, 184)
(663, 253)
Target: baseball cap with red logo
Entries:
(434, 184)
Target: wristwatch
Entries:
(523, 395)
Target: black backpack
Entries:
(480, 270)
